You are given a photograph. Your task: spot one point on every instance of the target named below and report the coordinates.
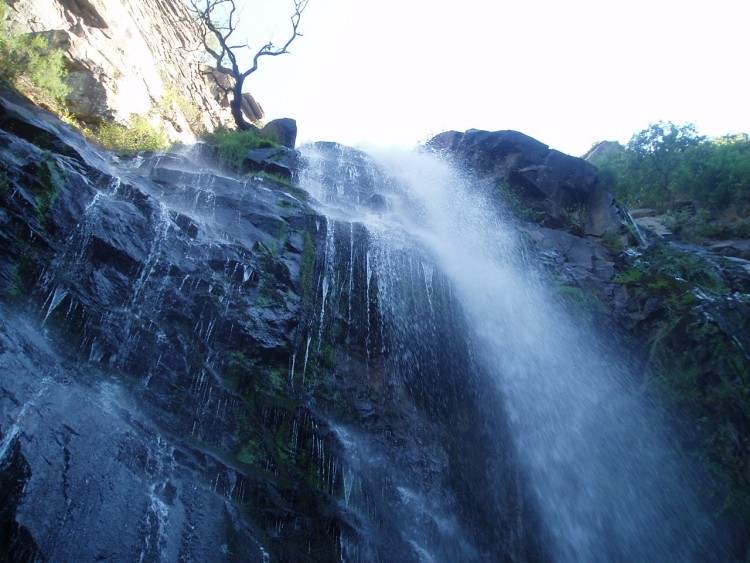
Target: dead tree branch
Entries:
(219, 21)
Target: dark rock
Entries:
(577, 261)
(275, 160)
(141, 271)
(734, 248)
(378, 202)
(602, 148)
(282, 131)
(561, 191)
(641, 213)
(251, 108)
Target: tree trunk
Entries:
(236, 105)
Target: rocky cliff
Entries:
(130, 57)
(200, 366)
(680, 310)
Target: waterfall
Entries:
(203, 367)
(606, 479)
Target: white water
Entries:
(609, 485)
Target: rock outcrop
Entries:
(196, 366)
(551, 188)
(283, 131)
(130, 57)
(199, 367)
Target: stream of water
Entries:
(608, 482)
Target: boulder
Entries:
(559, 190)
(283, 131)
(251, 108)
(274, 160)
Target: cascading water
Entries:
(201, 367)
(606, 480)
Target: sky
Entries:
(569, 73)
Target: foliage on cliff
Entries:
(27, 62)
(234, 145)
(666, 164)
(690, 313)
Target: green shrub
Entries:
(140, 135)
(614, 242)
(632, 275)
(27, 61)
(234, 145)
(50, 179)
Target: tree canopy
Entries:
(219, 24)
(665, 163)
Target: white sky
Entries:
(567, 72)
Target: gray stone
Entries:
(275, 160)
(563, 191)
(126, 57)
(282, 131)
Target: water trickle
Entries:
(351, 277)
(55, 298)
(160, 467)
(12, 433)
(368, 338)
(428, 272)
(307, 355)
(291, 368)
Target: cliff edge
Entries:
(130, 57)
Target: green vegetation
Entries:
(704, 373)
(49, 180)
(672, 275)
(614, 242)
(27, 62)
(275, 177)
(24, 275)
(667, 166)
(695, 367)
(517, 205)
(234, 145)
(140, 135)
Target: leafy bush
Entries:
(140, 135)
(667, 162)
(27, 61)
(234, 145)
(614, 242)
(50, 179)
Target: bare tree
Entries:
(209, 13)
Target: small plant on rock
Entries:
(140, 135)
(234, 145)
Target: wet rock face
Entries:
(149, 389)
(416, 429)
(551, 189)
(93, 461)
(16, 542)
(204, 368)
